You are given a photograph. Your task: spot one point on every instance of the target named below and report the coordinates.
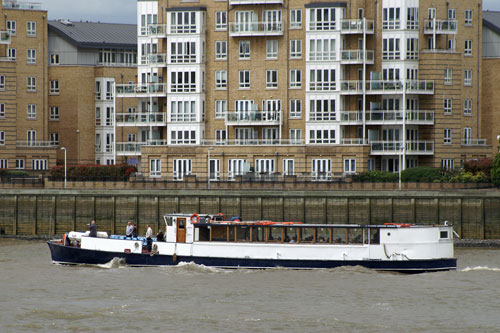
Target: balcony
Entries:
(14, 4)
(142, 90)
(356, 26)
(5, 37)
(351, 117)
(322, 56)
(380, 87)
(154, 60)
(155, 31)
(440, 27)
(141, 119)
(253, 118)
(396, 147)
(255, 2)
(243, 29)
(36, 144)
(355, 57)
(129, 148)
(468, 142)
(396, 117)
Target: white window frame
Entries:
(235, 167)
(2, 138)
(264, 166)
(31, 111)
(220, 50)
(295, 136)
(467, 135)
(468, 107)
(272, 49)
(323, 79)
(54, 87)
(2, 110)
(349, 165)
(288, 167)
(452, 14)
(183, 137)
(447, 105)
(31, 56)
(271, 79)
(295, 78)
(295, 18)
(244, 50)
(468, 47)
(221, 21)
(221, 79)
(182, 167)
(20, 165)
(54, 139)
(4, 163)
(322, 109)
(2, 82)
(220, 137)
(11, 27)
(182, 81)
(322, 136)
(244, 79)
(31, 83)
(391, 18)
(54, 59)
(295, 108)
(447, 136)
(220, 109)
(391, 48)
(321, 169)
(31, 28)
(469, 16)
(317, 23)
(295, 49)
(39, 164)
(468, 77)
(448, 76)
(412, 18)
(214, 169)
(447, 164)
(155, 168)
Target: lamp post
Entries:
(65, 167)
(208, 170)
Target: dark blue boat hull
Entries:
(74, 255)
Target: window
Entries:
(452, 14)
(54, 87)
(412, 48)
(220, 108)
(39, 164)
(187, 137)
(132, 137)
(182, 52)
(221, 50)
(468, 47)
(296, 49)
(295, 78)
(468, 77)
(264, 166)
(12, 54)
(183, 110)
(2, 82)
(322, 136)
(54, 139)
(54, 113)
(295, 18)
(31, 57)
(155, 168)
(322, 79)
(220, 137)
(182, 167)
(2, 110)
(236, 167)
(391, 18)
(447, 136)
(390, 49)
(321, 19)
(271, 49)
(54, 59)
(412, 19)
(322, 49)
(4, 163)
(12, 27)
(214, 169)
(183, 22)
(2, 138)
(371, 164)
(244, 49)
(468, 107)
(183, 81)
(467, 135)
(244, 81)
(31, 136)
(447, 164)
(322, 109)
(31, 110)
(452, 44)
(448, 105)
(20, 164)
(295, 108)
(468, 16)
(272, 78)
(31, 83)
(295, 136)
(31, 28)
(349, 165)
(288, 167)
(220, 79)
(321, 169)
(221, 21)
(448, 76)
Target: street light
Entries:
(208, 171)
(65, 168)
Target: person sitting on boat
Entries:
(149, 236)
(93, 229)
(130, 229)
(160, 237)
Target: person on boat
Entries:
(130, 229)
(93, 229)
(149, 237)
(160, 237)
(134, 231)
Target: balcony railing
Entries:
(440, 26)
(141, 90)
(5, 37)
(387, 87)
(36, 144)
(141, 119)
(129, 148)
(255, 2)
(356, 26)
(14, 4)
(265, 118)
(356, 57)
(473, 142)
(255, 29)
(378, 117)
(154, 59)
(322, 56)
(154, 30)
(396, 147)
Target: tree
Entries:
(495, 171)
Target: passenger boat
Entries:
(211, 240)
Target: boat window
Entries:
(323, 235)
(182, 223)
(219, 233)
(204, 234)
(307, 235)
(339, 235)
(355, 236)
(243, 234)
(274, 234)
(258, 234)
(443, 234)
(374, 236)
(169, 221)
(290, 235)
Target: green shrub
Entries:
(421, 174)
(94, 172)
(495, 171)
(483, 165)
(377, 177)
(17, 174)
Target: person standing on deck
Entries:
(130, 229)
(149, 236)
(93, 229)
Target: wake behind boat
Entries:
(210, 240)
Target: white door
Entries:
(264, 166)
(235, 168)
(214, 170)
(182, 167)
(288, 167)
(321, 169)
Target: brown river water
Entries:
(36, 295)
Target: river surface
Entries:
(36, 295)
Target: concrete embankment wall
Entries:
(475, 214)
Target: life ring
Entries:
(195, 216)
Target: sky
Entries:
(124, 11)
